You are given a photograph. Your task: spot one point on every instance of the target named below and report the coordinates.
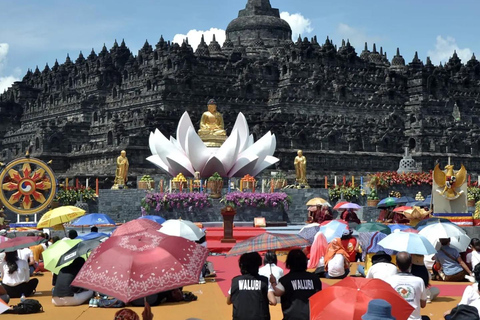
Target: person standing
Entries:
(296, 287)
(250, 292)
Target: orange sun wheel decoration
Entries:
(25, 190)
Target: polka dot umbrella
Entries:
(133, 266)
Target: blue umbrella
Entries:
(400, 227)
(93, 219)
(157, 219)
(410, 242)
(92, 235)
(333, 229)
(404, 200)
(413, 203)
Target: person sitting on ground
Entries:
(317, 254)
(420, 270)
(471, 296)
(452, 266)
(378, 309)
(64, 294)
(382, 267)
(473, 258)
(296, 287)
(412, 287)
(351, 245)
(27, 255)
(323, 213)
(250, 293)
(386, 215)
(16, 276)
(72, 234)
(94, 229)
(337, 264)
(349, 215)
(462, 312)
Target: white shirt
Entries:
(473, 258)
(276, 271)
(382, 271)
(412, 289)
(471, 297)
(336, 266)
(25, 254)
(20, 276)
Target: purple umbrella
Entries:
(350, 205)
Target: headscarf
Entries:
(318, 250)
(126, 314)
(333, 248)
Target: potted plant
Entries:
(146, 182)
(279, 180)
(215, 184)
(372, 198)
(473, 195)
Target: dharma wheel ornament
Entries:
(28, 185)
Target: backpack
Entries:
(110, 303)
(27, 306)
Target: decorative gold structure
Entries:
(300, 163)
(27, 185)
(449, 182)
(121, 173)
(212, 130)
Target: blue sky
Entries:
(38, 32)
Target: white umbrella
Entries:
(182, 228)
(460, 243)
(406, 241)
(435, 231)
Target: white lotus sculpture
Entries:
(237, 156)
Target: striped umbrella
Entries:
(268, 241)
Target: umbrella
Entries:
(136, 265)
(268, 241)
(403, 200)
(53, 253)
(401, 227)
(387, 202)
(338, 205)
(350, 205)
(460, 243)
(312, 208)
(333, 229)
(20, 243)
(348, 299)
(440, 230)
(134, 226)
(309, 231)
(369, 242)
(426, 222)
(59, 215)
(410, 242)
(402, 208)
(157, 219)
(93, 219)
(92, 235)
(317, 202)
(372, 227)
(81, 249)
(182, 228)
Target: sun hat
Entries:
(381, 256)
(378, 309)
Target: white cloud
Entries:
(444, 48)
(6, 81)
(357, 37)
(194, 37)
(299, 24)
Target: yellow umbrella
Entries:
(60, 215)
(317, 202)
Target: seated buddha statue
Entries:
(211, 129)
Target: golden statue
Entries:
(449, 181)
(211, 129)
(301, 169)
(121, 174)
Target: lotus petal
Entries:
(241, 126)
(155, 159)
(243, 162)
(269, 160)
(261, 148)
(179, 164)
(151, 143)
(182, 129)
(228, 152)
(196, 150)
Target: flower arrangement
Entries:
(349, 193)
(169, 201)
(383, 180)
(70, 195)
(215, 177)
(261, 200)
(473, 193)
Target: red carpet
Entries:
(455, 289)
(214, 235)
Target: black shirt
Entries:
(249, 297)
(65, 278)
(299, 286)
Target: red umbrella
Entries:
(338, 205)
(402, 208)
(136, 265)
(348, 299)
(135, 226)
(20, 243)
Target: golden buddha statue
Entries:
(300, 163)
(211, 129)
(121, 173)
